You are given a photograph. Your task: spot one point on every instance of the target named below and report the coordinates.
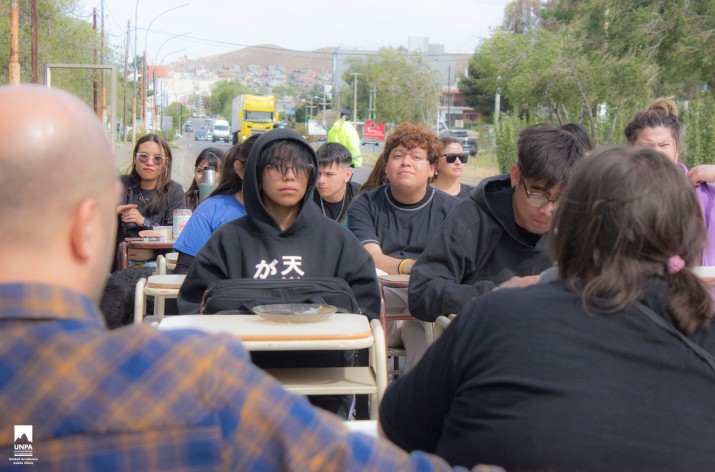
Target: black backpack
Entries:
(241, 295)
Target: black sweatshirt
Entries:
(313, 246)
(478, 247)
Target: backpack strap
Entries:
(668, 326)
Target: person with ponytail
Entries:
(658, 127)
(609, 367)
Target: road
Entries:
(185, 150)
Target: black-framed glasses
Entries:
(144, 158)
(535, 199)
(300, 172)
(452, 156)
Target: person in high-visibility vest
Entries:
(344, 132)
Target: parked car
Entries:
(188, 128)
(468, 143)
(200, 135)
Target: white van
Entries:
(221, 131)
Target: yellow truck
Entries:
(252, 114)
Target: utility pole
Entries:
(35, 42)
(13, 68)
(95, 85)
(124, 107)
(355, 76)
(372, 109)
(145, 71)
(134, 105)
(449, 96)
(103, 102)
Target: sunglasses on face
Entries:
(144, 158)
(451, 157)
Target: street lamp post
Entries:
(156, 62)
(134, 104)
(136, 27)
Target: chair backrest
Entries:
(160, 265)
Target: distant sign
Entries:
(459, 123)
(374, 131)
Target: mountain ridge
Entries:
(270, 54)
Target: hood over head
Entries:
(252, 197)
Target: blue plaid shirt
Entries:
(140, 399)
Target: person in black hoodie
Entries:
(282, 224)
(496, 235)
(284, 235)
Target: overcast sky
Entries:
(208, 27)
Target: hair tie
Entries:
(675, 264)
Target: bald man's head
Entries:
(58, 185)
(53, 152)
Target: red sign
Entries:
(374, 130)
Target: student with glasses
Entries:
(150, 195)
(496, 235)
(450, 168)
(284, 235)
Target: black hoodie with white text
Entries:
(254, 246)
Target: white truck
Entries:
(221, 131)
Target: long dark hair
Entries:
(215, 158)
(624, 214)
(231, 182)
(159, 199)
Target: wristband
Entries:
(401, 266)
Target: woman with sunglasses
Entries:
(150, 196)
(450, 168)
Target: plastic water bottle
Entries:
(208, 183)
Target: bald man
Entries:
(134, 398)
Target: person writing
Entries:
(496, 235)
(90, 393)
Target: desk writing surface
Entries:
(394, 280)
(339, 326)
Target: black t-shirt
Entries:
(527, 380)
(401, 231)
(337, 211)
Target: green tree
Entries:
(407, 87)
(62, 39)
(222, 97)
